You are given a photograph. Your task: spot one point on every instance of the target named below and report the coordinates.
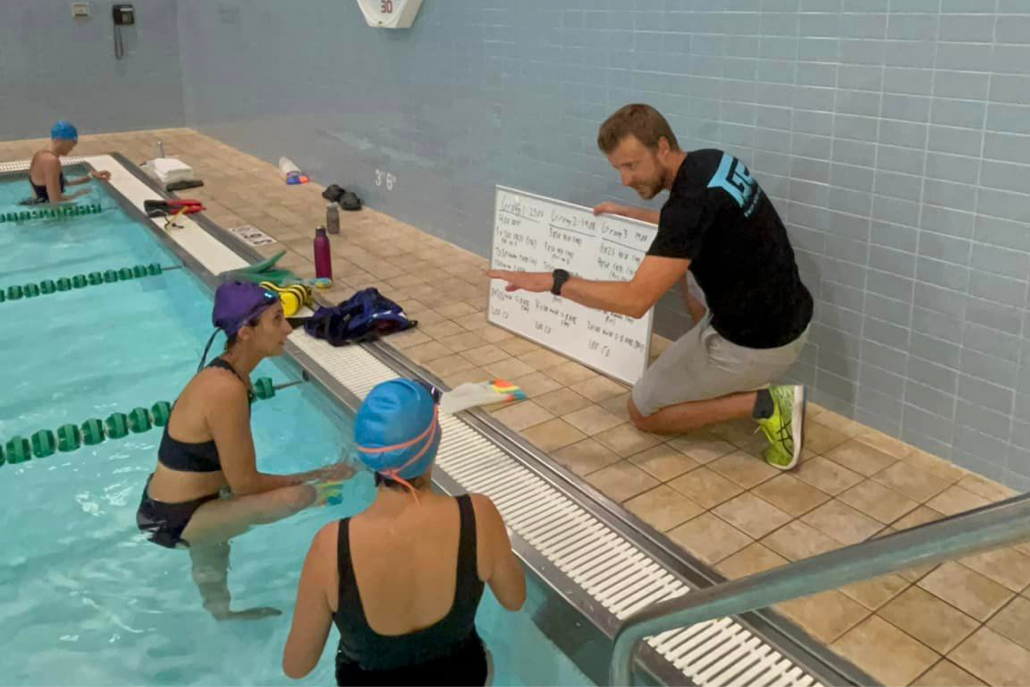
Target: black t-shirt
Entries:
(718, 217)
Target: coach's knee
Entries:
(639, 420)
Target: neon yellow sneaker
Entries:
(784, 428)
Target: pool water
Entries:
(84, 598)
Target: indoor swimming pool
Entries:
(84, 598)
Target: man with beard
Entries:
(719, 225)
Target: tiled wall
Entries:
(54, 66)
(893, 135)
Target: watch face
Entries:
(390, 14)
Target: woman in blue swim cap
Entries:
(45, 173)
(206, 488)
(402, 580)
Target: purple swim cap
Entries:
(237, 303)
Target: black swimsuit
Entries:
(42, 195)
(448, 652)
(164, 521)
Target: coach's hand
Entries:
(535, 282)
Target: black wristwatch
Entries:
(560, 277)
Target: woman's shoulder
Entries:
(325, 539)
(216, 385)
(487, 515)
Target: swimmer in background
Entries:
(46, 174)
(206, 488)
(403, 579)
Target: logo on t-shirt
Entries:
(734, 178)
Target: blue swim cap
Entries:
(64, 131)
(396, 431)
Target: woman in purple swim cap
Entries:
(206, 488)
(402, 580)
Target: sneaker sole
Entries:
(797, 424)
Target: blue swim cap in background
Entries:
(64, 131)
(394, 414)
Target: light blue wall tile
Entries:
(995, 315)
(946, 194)
(989, 368)
(1001, 261)
(893, 235)
(909, 161)
(1010, 59)
(1002, 233)
(915, 6)
(912, 108)
(865, 103)
(885, 357)
(949, 222)
(1007, 176)
(1007, 88)
(1003, 290)
(965, 56)
(991, 341)
(894, 185)
(999, 146)
(852, 202)
(947, 353)
(897, 133)
(1008, 118)
(1005, 204)
(851, 177)
(866, 5)
(1013, 29)
(860, 77)
(968, 6)
(896, 211)
(53, 66)
(943, 274)
(913, 27)
(967, 28)
(926, 430)
(930, 399)
(946, 139)
(985, 421)
(953, 112)
(911, 54)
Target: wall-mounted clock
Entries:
(390, 14)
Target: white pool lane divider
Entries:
(609, 568)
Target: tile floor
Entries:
(965, 622)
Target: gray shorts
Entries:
(701, 365)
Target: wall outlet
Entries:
(80, 10)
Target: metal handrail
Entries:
(1007, 522)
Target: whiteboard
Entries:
(537, 234)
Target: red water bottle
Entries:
(323, 259)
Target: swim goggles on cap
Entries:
(428, 436)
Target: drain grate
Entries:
(609, 568)
(23, 165)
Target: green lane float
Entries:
(80, 281)
(52, 213)
(92, 432)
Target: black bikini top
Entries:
(202, 457)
